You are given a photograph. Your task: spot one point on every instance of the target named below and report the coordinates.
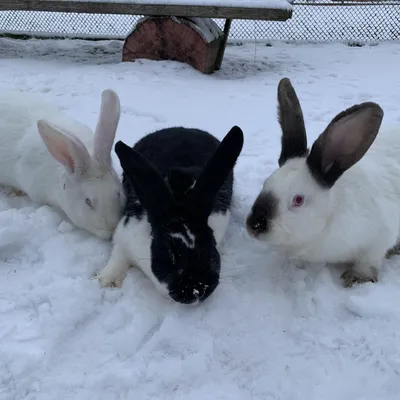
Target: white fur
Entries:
(356, 221)
(218, 222)
(31, 129)
(189, 242)
(132, 247)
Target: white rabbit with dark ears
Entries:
(60, 162)
(178, 183)
(338, 202)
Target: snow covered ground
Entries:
(270, 331)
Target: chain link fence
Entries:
(313, 21)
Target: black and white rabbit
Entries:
(178, 183)
(337, 202)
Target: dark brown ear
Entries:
(290, 117)
(344, 142)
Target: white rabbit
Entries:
(340, 201)
(46, 155)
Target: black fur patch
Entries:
(133, 208)
(178, 153)
(180, 180)
(314, 163)
(291, 120)
(291, 149)
(264, 210)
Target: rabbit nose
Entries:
(264, 210)
(198, 294)
(199, 291)
(202, 291)
(257, 222)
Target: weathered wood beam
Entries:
(222, 46)
(104, 7)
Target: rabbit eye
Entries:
(88, 202)
(298, 200)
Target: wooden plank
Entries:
(222, 47)
(377, 2)
(350, 3)
(104, 7)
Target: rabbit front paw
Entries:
(110, 280)
(352, 277)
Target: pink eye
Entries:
(298, 200)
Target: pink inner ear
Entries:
(62, 153)
(56, 145)
(66, 159)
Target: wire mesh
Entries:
(311, 21)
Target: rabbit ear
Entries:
(146, 181)
(290, 117)
(106, 126)
(216, 171)
(66, 148)
(344, 142)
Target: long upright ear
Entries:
(290, 117)
(146, 181)
(216, 172)
(107, 125)
(344, 142)
(65, 147)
